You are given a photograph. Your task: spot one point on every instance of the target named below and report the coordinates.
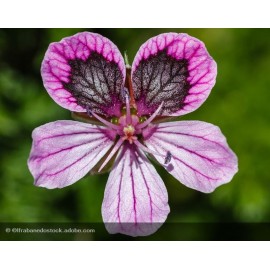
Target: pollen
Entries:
(129, 130)
(129, 133)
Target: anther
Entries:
(125, 95)
(168, 157)
(89, 110)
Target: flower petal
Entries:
(136, 200)
(65, 151)
(85, 70)
(200, 156)
(176, 69)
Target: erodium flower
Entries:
(126, 112)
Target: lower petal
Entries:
(65, 151)
(136, 200)
(200, 156)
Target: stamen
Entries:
(105, 122)
(147, 150)
(127, 98)
(151, 118)
(168, 157)
(124, 93)
(116, 147)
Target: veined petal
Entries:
(85, 71)
(173, 68)
(65, 151)
(200, 156)
(135, 200)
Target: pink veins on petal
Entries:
(172, 74)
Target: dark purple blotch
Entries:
(161, 78)
(96, 83)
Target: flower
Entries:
(127, 112)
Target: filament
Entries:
(114, 150)
(105, 122)
(151, 118)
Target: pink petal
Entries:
(200, 156)
(136, 200)
(65, 151)
(85, 70)
(176, 69)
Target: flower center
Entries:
(128, 127)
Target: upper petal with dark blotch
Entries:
(200, 156)
(65, 151)
(174, 68)
(135, 200)
(85, 71)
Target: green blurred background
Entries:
(238, 104)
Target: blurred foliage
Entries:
(238, 104)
